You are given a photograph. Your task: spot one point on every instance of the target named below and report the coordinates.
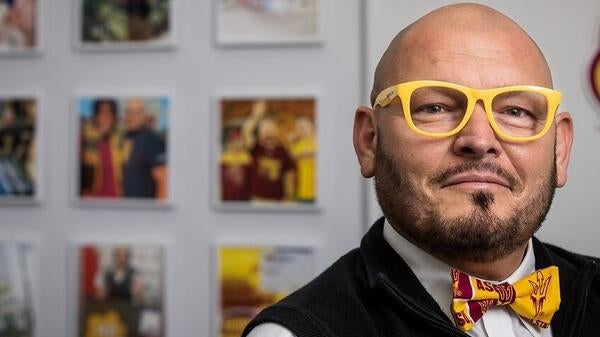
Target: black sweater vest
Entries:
(372, 292)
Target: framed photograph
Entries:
(266, 153)
(594, 75)
(19, 27)
(18, 299)
(123, 24)
(19, 170)
(251, 278)
(264, 22)
(122, 150)
(121, 289)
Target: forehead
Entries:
(479, 58)
(135, 106)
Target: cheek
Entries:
(533, 164)
(418, 157)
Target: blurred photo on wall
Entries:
(254, 277)
(17, 300)
(122, 150)
(267, 21)
(121, 290)
(267, 152)
(18, 161)
(595, 75)
(125, 23)
(18, 26)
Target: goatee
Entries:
(478, 236)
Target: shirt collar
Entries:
(434, 274)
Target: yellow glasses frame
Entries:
(405, 90)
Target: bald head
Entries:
(448, 41)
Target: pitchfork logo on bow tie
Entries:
(540, 290)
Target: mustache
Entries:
(485, 166)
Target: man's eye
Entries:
(516, 112)
(433, 109)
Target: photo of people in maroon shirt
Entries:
(123, 148)
(268, 151)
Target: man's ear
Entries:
(365, 139)
(564, 141)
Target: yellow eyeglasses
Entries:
(441, 109)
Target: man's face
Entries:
(135, 115)
(105, 118)
(7, 118)
(471, 196)
(235, 141)
(304, 127)
(268, 134)
(121, 257)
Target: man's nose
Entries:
(477, 139)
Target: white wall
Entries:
(194, 72)
(569, 35)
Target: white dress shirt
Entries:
(435, 276)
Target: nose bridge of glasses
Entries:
(479, 109)
(482, 98)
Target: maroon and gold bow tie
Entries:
(535, 297)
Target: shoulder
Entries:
(336, 281)
(580, 275)
(578, 270)
(569, 258)
(150, 134)
(334, 301)
(270, 330)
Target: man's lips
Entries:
(476, 179)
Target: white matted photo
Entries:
(111, 25)
(121, 150)
(265, 153)
(19, 307)
(121, 288)
(20, 27)
(247, 22)
(19, 144)
(252, 277)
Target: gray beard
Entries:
(480, 236)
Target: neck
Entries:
(497, 270)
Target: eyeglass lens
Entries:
(519, 113)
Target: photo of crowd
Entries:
(123, 148)
(267, 21)
(17, 314)
(121, 291)
(121, 21)
(18, 171)
(18, 25)
(254, 277)
(268, 151)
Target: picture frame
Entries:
(268, 22)
(21, 28)
(130, 25)
(139, 301)
(249, 277)
(594, 77)
(143, 149)
(248, 176)
(21, 147)
(19, 261)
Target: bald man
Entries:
(466, 144)
(145, 166)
